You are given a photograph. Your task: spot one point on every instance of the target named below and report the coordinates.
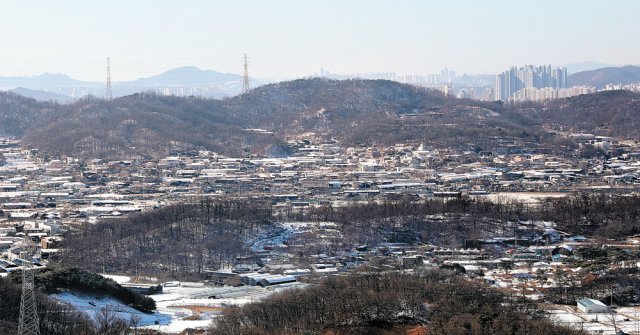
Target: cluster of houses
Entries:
(41, 197)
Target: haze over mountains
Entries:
(608, 75)
(174, 112)
(192, 81)
(42, 95)
(183, 81)
(585, 66)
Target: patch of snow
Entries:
(285, 231)
(117, 278)
(91, 305)
(178, 326)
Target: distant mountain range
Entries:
(350, 111)
(187, 76)
(608, 75)
(41, 95)
(192, 81)
(585, 66)
(186, 81)
(40, 82)
(183, 81)
(353, 112)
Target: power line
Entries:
(109, 91)
(245, 81)
(29, 323)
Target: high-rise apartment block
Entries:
(508, 83)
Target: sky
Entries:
(296, 38)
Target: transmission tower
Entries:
(29, 323)
(109, 93)
(245, 77)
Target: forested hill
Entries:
(376, 112)
(608, 113)
(18, 113)
(351, 111)
(607, 75)
(333, 100)
(143, 125)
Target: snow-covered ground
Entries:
(193, 302)
(91, 305)
(118, 279)
(287, 230)
(525, 197)
(174, 313)
(126, 279)
(178, 308)
(626, 319)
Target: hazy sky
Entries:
(294, 38)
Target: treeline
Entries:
(181, 239)
(19, 114)
(206, 234)
(611, 216)
(436, 221)
(605, 215)
(369, 112)
(380, 112)
(144, 126)
(408, 207)
(609, 113)
(436, 301)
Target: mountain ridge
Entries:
(39, 82)
(599, 78)
(181, 81)
(585, 66)
(41, 95)
(352, 112)
(194, 75)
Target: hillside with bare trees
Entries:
(368, 112)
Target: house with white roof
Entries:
(587, 305)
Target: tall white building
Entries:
(508, 83)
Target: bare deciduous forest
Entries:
(189, 238)
(372, 302)
(350, 111)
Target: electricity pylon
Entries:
(29, 323)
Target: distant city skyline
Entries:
(514, 79)
(288, 39)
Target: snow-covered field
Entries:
(91, 305)
(178, 308)
(174, 312)
(525, 197)
(626, 319)
(118, 279)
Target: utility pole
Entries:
(29, 323)
(109, 94)
(245, 78)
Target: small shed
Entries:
(587, 305)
